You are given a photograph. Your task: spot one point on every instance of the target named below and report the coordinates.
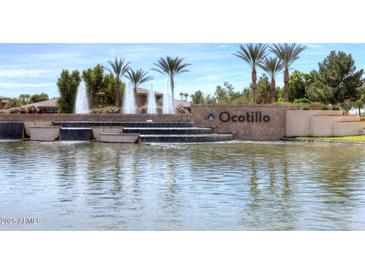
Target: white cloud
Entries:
(24, 85)
(23, 73)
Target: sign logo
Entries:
(249, 117)
(211, 117)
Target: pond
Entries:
(226, 186)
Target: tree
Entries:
(95, 82)
(359, 104)
(252, 55)
(197, 97)
(298, 81)
(181, 95)
(39, 97)
(137, 78)
(109, 96)
(264, 90)
(171, 67)
(67, 85)
(186, 95)
(227, 94)
(272, 66)
(24, 98)
(336, 80)
(288, 54)
(118, 69)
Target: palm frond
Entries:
(253, 54)
(271, 65)
(119, 67)
(170, 66)
(138, 77)
(287, 53)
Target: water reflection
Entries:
(247, 186)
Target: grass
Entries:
(356, 138)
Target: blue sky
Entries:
(34, 68)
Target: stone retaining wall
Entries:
(246, 122)
(97, 117)
(323, 125)
(348, 128)
(298, 121)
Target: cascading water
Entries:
(82, 101)
(129, 104)
(168, 101)
(151, 105)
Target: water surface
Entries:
(231, 186)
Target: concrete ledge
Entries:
(98, 117)
(118, 138)
(44, 133)
(97, 131)
(29, 124)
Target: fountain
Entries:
(168, 101)
(82, 102)
(151, 106)
(129, 104)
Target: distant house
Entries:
(142, 96)
(3, 101)
(49, 106)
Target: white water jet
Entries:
(129, 102)
(151, 104)
(168, 102)
(82, 101)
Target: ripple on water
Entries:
(228, 186)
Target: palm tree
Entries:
(272, 66)
(171, 67)
(252, 54)
(137, 77)
(186, 95)
(181, 95)
(118, 69)
(287, 53)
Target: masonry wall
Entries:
(298, 121)
(97, 117)
(273, 128)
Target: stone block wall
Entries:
(246, 122)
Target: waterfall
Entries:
(82, 101)
(151, 106)
(129, 104)
(168, 101)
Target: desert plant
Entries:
(288, 54)
(119, 68)
(171, 67)
(252, 54)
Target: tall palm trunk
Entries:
(273, 89)
(254, 85)
(172, 84)
(117, 94)
(286, 84)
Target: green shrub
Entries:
(325, 107)
(67, 83)
(302, 101)
(336, 107)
